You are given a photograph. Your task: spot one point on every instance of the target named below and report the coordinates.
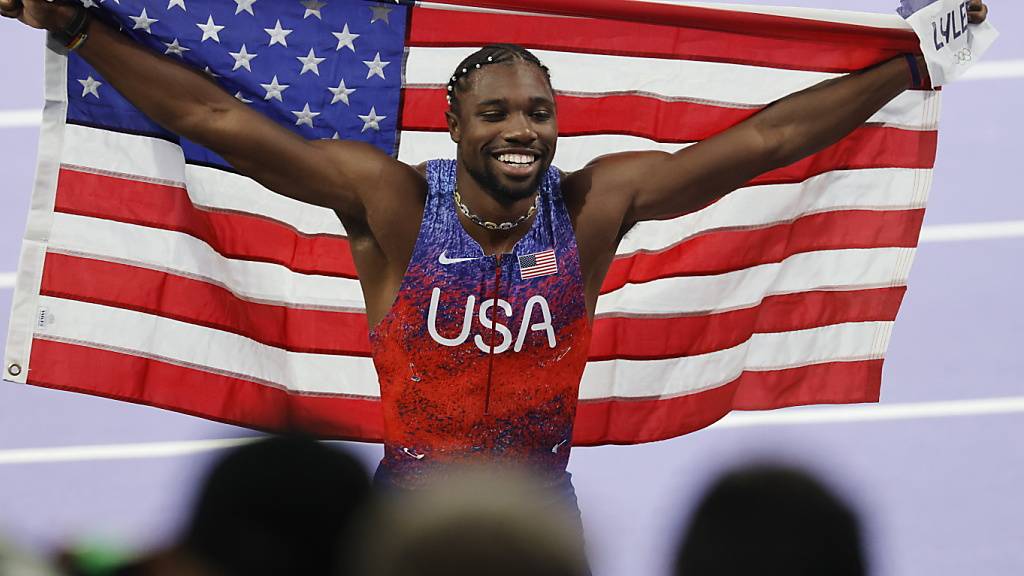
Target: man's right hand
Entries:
(41, 14)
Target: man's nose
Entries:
(520, 129)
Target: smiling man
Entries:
(480, 274)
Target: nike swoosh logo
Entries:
(445, 260)
(412, 454)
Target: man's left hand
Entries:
(977, 11)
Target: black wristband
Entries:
(916, 80)
(75, 28)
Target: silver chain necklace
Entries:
(503, 226)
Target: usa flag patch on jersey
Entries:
(538, 264)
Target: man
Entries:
(496, 237)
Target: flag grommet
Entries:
(14, 369)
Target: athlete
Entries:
(480, 274)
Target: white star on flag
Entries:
(245, 5)
(313, 8)
(346, 39)
(210, 29)
(380, 13)
(274, 90)
(376, 67)
(310, 62)
(341, 92)
(175, 48)
(278, 34)
(305, 116)
(209, 72)
(178, 3)
(90, 86)
(371, 120)
(241, 98)
(242, 59)
(143, 21)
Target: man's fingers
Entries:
(10, 8)
(977, 12)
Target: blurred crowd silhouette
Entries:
(293, 506)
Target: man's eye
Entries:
(542, 115)
(493, 116)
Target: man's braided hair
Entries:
(490, 54)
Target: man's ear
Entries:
(454, 128)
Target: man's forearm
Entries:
(810, 120)
(176, 97)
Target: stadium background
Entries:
(935, 469)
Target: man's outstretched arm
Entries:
(336, 175)
(661, 185)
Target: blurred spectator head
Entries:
(15, 562)
(475, 523)
(277, 506)
(771, 520)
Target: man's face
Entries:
(506, 129)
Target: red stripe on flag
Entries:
(637, 421)
(629, 114)
(259, 239)
(445, 28)
(121, 376)
(647, 338)
(231, 234)
(341, 333)
(694, 17)
(196, 302)
(110, 374)
(866, 147)
(721, 251)
(642, 116)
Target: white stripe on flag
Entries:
(204, 348)
(869, 189)
(184, 255)
(821, 270)
(207, 349)
(758, 206)
(665, 78)
(157, 160)
(272, 283)
(763, 352)
(574, 72)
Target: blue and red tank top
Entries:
(480, 357)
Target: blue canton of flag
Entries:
(325, 69)
(538, 264)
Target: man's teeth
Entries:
(516, 158)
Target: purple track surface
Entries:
(939, 495)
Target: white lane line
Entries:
(973, 231)
(7, 280)
(825, 415)
(117, 451)
(20, 118)
(995, 69)
(992, 70)
(874, 412)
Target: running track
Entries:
(935, 469)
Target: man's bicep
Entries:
(325, 173)
(669, 185)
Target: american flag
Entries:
(152, 272)
(537, 265)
